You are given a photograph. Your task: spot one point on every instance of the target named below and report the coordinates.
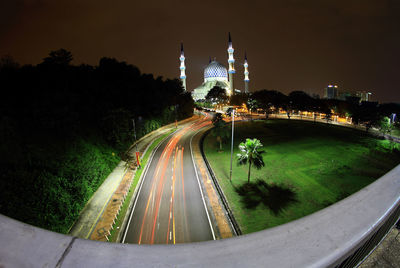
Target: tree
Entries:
(250, 152)
(217, 94)
(385, 126)
(8, 63)
(301, 101)
(366, 113)
(185, 105)
(116, 127)
(59, 57)
(239, 98)
(220, 130)
(265, 99)
(252, 104)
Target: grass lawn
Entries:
(307, 167)
(396, 132)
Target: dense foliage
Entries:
(63, 128)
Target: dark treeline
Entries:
(63, 128)
(367, 113)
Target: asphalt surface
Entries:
(170, 206)
(95, 207)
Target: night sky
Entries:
(290, 44)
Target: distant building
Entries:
(183, 68)
(343, 95)
(364, 95)
(331, 92)
(246, 74)
(216, 74)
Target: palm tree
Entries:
(220, 130)
(250, 152)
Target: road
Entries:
(96, 208)
(170, 206)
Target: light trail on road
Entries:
(169, 207)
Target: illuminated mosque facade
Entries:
(215, 74)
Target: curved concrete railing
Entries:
(323, 239)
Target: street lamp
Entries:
(233, 127)
(176, 117)
(137, 151)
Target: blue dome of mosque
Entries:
(215, 69)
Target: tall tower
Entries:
(231, 62)
(182, 68)
(246, 74)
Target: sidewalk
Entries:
(91, 213)
(95, 218)
(387, 254)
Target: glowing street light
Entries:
(137, 151)
(233, 127)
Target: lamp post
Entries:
(233, 127)
(176, 117)
(136, 146)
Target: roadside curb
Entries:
(234, 224)
(158, 129)
(104, 225)
(134, 196)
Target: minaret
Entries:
(246, 74)
(231, 62)
(182, 68)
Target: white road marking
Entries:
(170, 215)
(198, 181)
(141, 179)
(170, 235)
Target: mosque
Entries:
(215, 74)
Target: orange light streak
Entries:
(183, 181)
(172, 197)
(151, 192)
(157, 186)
